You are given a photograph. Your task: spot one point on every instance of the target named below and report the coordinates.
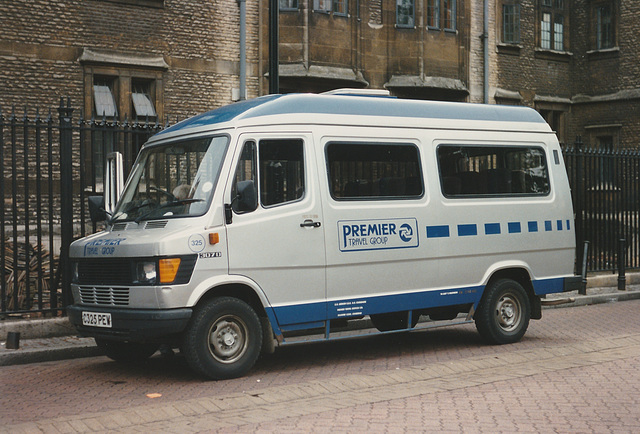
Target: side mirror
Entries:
(96, 209)
(247, 196)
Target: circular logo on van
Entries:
(196, 243)
(405, 233)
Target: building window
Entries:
(322, 6)
(552, 25)
(288, 5)
(104, 101)
(511, 23)
(449, 7)
(405, 13)
(339, 7)
(604, 27)
(433, 14)
(142, 100)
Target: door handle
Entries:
(310, 224)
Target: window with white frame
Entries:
(552, 25)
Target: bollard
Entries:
(622, 280)
(583, 288)
(13, 340)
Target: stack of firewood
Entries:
(35, 260)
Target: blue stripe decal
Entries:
(533, 226)
(467, 230)
(437, 231)
(514, 227)
(492, 228)
(548, 286)
(301, 316)
(311, 315)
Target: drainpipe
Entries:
(243, 49)
(274, 73)
(485, 40)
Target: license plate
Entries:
(96, 319)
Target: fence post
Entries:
(66, 198)
(622, 280)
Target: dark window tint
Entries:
(492, 170)
(374, 171)
(281, 171)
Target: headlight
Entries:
(146, 272)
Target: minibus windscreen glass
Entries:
(172, 180)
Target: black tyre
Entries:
(385, 322)
(127, 352)
(503, 313)
(223, 339)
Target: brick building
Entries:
(125, 57)
(575, 61)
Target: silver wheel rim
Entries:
(508, 312)
(228, 339)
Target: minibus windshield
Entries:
(172, 180)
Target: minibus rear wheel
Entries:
(503, 313)
(223, 339)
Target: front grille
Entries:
(105, 272)
(104, 296)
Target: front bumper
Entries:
(135, 325)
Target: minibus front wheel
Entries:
(223, 339)
(503, 313)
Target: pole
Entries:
(243, 49)
(274, 79)
(66, 198)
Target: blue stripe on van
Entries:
(467, 230)
(441, 231)
(471, 229)
(310, 315)
(514, 227)
(492, 228)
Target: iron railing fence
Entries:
(605, 186)
(49, 165)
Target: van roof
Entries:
(344, 105)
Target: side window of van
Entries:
(467, 170)
(374, 171)
(281, 171)
(246, 171)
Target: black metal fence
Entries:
(605, 186)
(49, 164)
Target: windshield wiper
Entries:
(167, 205)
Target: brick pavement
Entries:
(575, 371)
